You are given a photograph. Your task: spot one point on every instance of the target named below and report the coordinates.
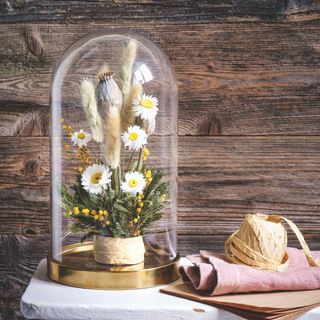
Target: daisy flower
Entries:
(95, 178)
(134, 138)
(146, 107)
(81, 138)
(134, 182)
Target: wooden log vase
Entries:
(118, 251)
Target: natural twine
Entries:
(261, 242)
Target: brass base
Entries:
(78, 269)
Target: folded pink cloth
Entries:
(213, 275)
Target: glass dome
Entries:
(113, 164)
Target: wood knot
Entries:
(32, 167)
(30, 231)
(209, 125)
(34, 43)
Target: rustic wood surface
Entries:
(248, 75)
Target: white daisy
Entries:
(146, 107)
(96, 178)
(134, 138)
(81, 138)
(134, 182)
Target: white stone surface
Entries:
(45, 299)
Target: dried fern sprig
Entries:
(89, 105)
(113, 138)
(127, 113)
(129, 56)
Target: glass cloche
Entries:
(113, 164)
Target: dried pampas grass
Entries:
(127, 113)
(129, 55)
(113, 138)
(261, 242)
(89, 105)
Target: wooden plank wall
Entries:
(249, 122)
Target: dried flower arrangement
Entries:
(107, 201)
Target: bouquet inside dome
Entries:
(109, 199)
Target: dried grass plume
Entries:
(113, 138)
(129, 56)
(89, 105)
(127, 113)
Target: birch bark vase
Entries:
(118, 251)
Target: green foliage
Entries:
(153, 204)
(124, 221)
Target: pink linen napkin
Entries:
(215, 276)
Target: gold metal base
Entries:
(76, 267)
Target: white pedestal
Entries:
(45, 299)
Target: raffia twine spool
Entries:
(118, 251)
(261, 242)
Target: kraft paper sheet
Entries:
(271, 305)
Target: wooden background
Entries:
(249, 122)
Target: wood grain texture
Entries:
(151, 10)
(248, 76)
(232, 60)
(10, 309)
(220, 180)
(219, 177)
(23, 119)
(19, 258)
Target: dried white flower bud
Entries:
(151, 126)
